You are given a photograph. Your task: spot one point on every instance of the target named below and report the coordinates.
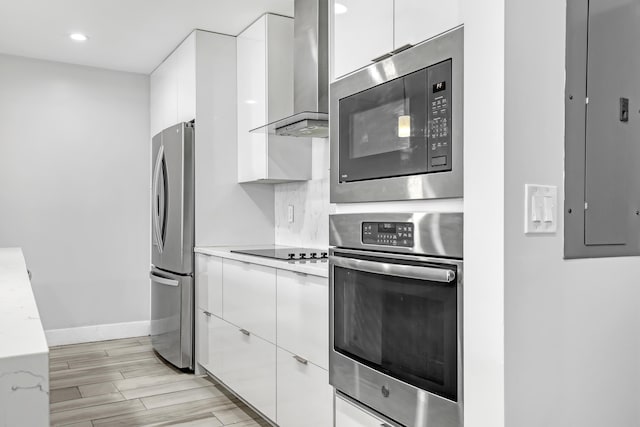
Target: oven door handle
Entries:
(433, 274)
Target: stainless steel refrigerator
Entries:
(172, 229)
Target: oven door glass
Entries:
(385, 131)
(405, 328)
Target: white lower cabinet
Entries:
(263, 332)
(349, 415)
(209, 283)
(203, 339)
(304, 394)
(249, 297)
(303, 315)
(246, 363)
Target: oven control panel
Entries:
(388, 233)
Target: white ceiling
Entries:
(126, 35)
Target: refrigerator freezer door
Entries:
(172, 317)
(172, 213)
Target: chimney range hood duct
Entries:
(310, 74)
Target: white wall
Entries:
(572, 346)
(484, 250)
(227, 213)
(310, 200)
(74, 188)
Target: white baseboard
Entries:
(97, 333)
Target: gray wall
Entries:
(74, 188)
(572, 347)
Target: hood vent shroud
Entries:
(310, 74)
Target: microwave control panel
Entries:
(388, 233)
(439, 117)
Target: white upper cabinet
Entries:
(173, 88)
(265, 94)
(362, 31)
(419, 20)
(163, 96)
(252, 101)
(186, 76)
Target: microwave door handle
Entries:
(434, 274)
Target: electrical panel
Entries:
(602, 115)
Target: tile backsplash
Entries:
(310, 201)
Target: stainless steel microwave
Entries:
(396, 126)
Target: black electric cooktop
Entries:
(294, 254)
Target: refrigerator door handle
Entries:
(163, 280)
(162, 225)
(156, 200)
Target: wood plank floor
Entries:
(124, 383)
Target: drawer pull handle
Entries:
(299, 273)
(244, 331)
(381, 57)
(402, 48)
(206, 313)
(301, 360)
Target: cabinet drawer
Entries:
(349, 415)
(245, 363)
(304, 394)
(203, 341)
(303, 315)
(209, 283)
(249, 297)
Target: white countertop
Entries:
(21, 331)
(313, 267)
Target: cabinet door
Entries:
(201, 280)
(163, 96)
(348, 415)
(419, 20)
(252, 98)
(155, 101)
(362, 31)
(303, 315)
(249, 297)
(169, 100)
(245, 363)
(209, 283)
(186, 79)
(304, 394)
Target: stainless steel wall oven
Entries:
(396, 315)
(396, 126)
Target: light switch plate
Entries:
(540, 209)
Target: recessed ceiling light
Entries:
(78, 37)
(339, 9)
(250, 101)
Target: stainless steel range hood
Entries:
(310, 74)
